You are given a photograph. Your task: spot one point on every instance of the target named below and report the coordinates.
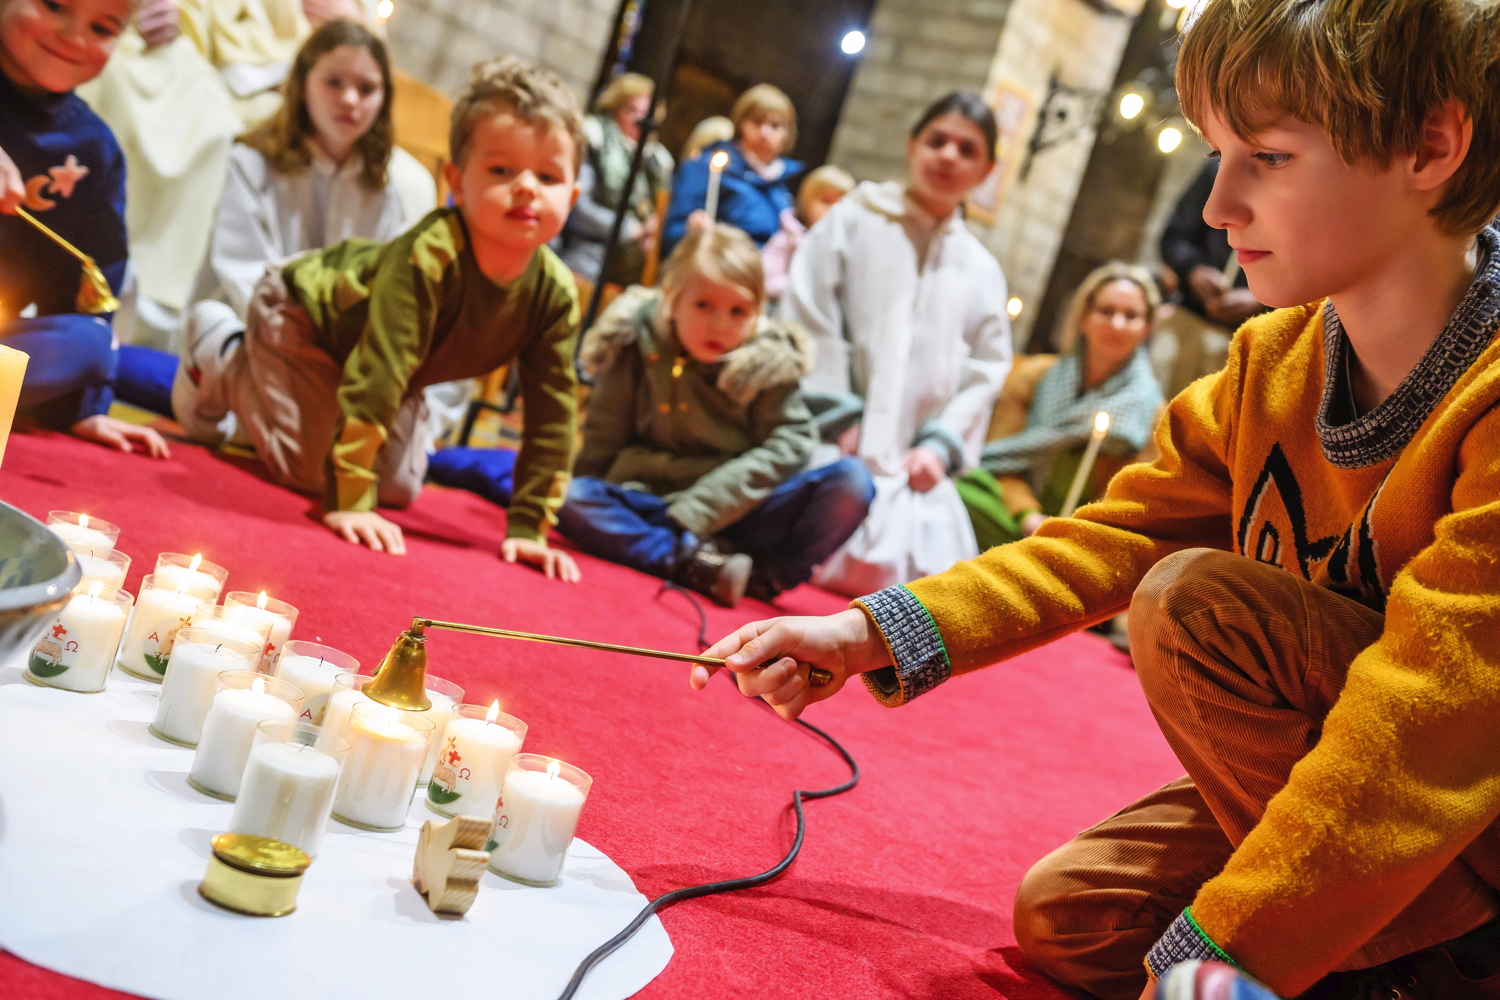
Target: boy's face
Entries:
(712, 318)
(1305, 223)
(765, 138)
(819, 204)
(517, 184)
(55, 45)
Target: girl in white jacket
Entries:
(907, 309)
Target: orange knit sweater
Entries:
(1399, 509)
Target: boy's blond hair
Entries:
(533, 95)
(722, 254)
(826, 178)
(621, 91)
(760, 102)
(1367, 72)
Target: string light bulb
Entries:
(384, 9)
(1131, 105)
(1014, 307)
(1168, 139)
(853, 42)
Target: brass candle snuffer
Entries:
(94, 296)
(404, 684)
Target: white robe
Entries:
(908, 312)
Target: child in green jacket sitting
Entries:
(327, 376)
(697, 435)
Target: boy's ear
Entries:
(573, 198)
(454, 175)
(1446, 137)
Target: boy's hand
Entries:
(114, 433)
(844, 644)
(365, 527)
(1031, 522)
(1232, 306)
(924, 469)
(698, 220)
(849, 441)
(558, 565)
(157, 22)
(12, 185)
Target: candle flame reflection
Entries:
(493, 713)
(261, 602)
(552, 768)
(195, 562)
(258, 686)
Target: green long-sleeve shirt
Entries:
(417, 311)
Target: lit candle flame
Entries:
(258, 686)
(1101, 423)
(553, 767)
(83, 520)
(493, 713)
(719, 160)
(261, 601)
(195, 562)
(97, 586)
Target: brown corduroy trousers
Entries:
(1240, 663)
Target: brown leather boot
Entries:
(714, 574)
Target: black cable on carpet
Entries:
(661, 902)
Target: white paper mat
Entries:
(103, 843)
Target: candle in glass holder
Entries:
(341, 701)
(540, 800)
(314, 668)
(445, 696)
(246, 606)
(107, 567)
(197, 659)
(78, 648)
(244, 700)
(289, 783)
(216, 619)
(80, 529)
(160, 611)
(196, 572)
(474, 754)
(386, 749)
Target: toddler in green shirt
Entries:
(326, 376)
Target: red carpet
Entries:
(904, 887)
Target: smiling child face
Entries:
(56, 45)
(517, 182)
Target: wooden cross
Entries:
(450, 862)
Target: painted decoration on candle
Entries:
(47, 657)
(450, 767)
(163, 637)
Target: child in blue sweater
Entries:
(59, 161)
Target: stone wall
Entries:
(917, 51)
(438, 40)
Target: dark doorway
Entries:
(731, 45)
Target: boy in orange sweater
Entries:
(1312, 567)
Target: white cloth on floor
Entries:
(908, 313)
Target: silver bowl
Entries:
(37, 573)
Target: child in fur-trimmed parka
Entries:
(697, 436)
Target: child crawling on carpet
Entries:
(61, 163)
(694, 450)
(1312, 566)
(326, 377)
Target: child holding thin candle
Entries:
(327, 376)
(1312, 565)
(60, 163)
(753, 188)
(697, 435)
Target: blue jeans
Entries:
(71, 369)
(801, 523)
(487, 471)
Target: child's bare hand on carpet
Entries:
(114, 433)
(12, 185)
(366, 527)
(844, 644)
(558, 565)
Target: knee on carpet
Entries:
(850, 488)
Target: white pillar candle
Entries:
(78, 648)
(244, 701)
(540, 801)
(386, 749)
(181, 571)
(340, 705)
(107, 567)
(289, 783)
(244, 606)
(313, 667)
(198, 657)
(473, 756)
(445, 697)
(159, 613)
(80, 529)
